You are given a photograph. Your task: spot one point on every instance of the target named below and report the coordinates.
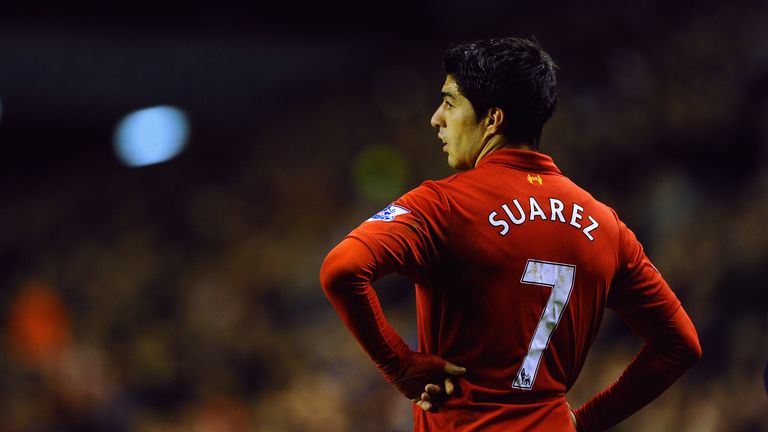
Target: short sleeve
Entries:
(407, 236)
(638, 290)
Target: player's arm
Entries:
(645, 302)
(671, 347)
(346, 277)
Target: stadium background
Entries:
(183, 296)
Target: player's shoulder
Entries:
(450, 179)
(441, 187)
(430, 194)
(458, 181)
(434, 195)
(442, 190)
(590, 199)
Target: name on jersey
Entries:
(554, 210)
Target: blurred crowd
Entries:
(184, 296)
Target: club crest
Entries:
(535, 179)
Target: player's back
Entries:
(517, 292)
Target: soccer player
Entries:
(514, 265)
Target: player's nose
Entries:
(437, 118)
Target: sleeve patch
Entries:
(389, 214)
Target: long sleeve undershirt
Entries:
(346, 277)
(671, 347)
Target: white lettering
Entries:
(536, 210)
(497, 223)
(557, 209)
(577, 209)
(516, 221)
(590, 228)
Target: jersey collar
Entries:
(523, 159)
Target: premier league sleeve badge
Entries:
(389, 214)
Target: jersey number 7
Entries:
(559, 277)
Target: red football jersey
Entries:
(514, 265)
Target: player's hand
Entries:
(436, 391)
(422, 369)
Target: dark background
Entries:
(184, 295)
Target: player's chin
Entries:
(457, 163)
(452, 162)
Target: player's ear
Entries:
(494, 119)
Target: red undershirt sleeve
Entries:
(346, 276)
(671, 347)
(643, 300)
(403, 238)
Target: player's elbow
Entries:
(333, 273)
(685, 345)
(680, 340)
(343, 269)
(690, 349)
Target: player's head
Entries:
(512, 75)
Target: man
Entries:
(513, 264)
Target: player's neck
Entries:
(498, 142)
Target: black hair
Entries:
(513, 74)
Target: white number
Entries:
(560, 278)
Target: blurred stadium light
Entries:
(151, 135)
(380, 173)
